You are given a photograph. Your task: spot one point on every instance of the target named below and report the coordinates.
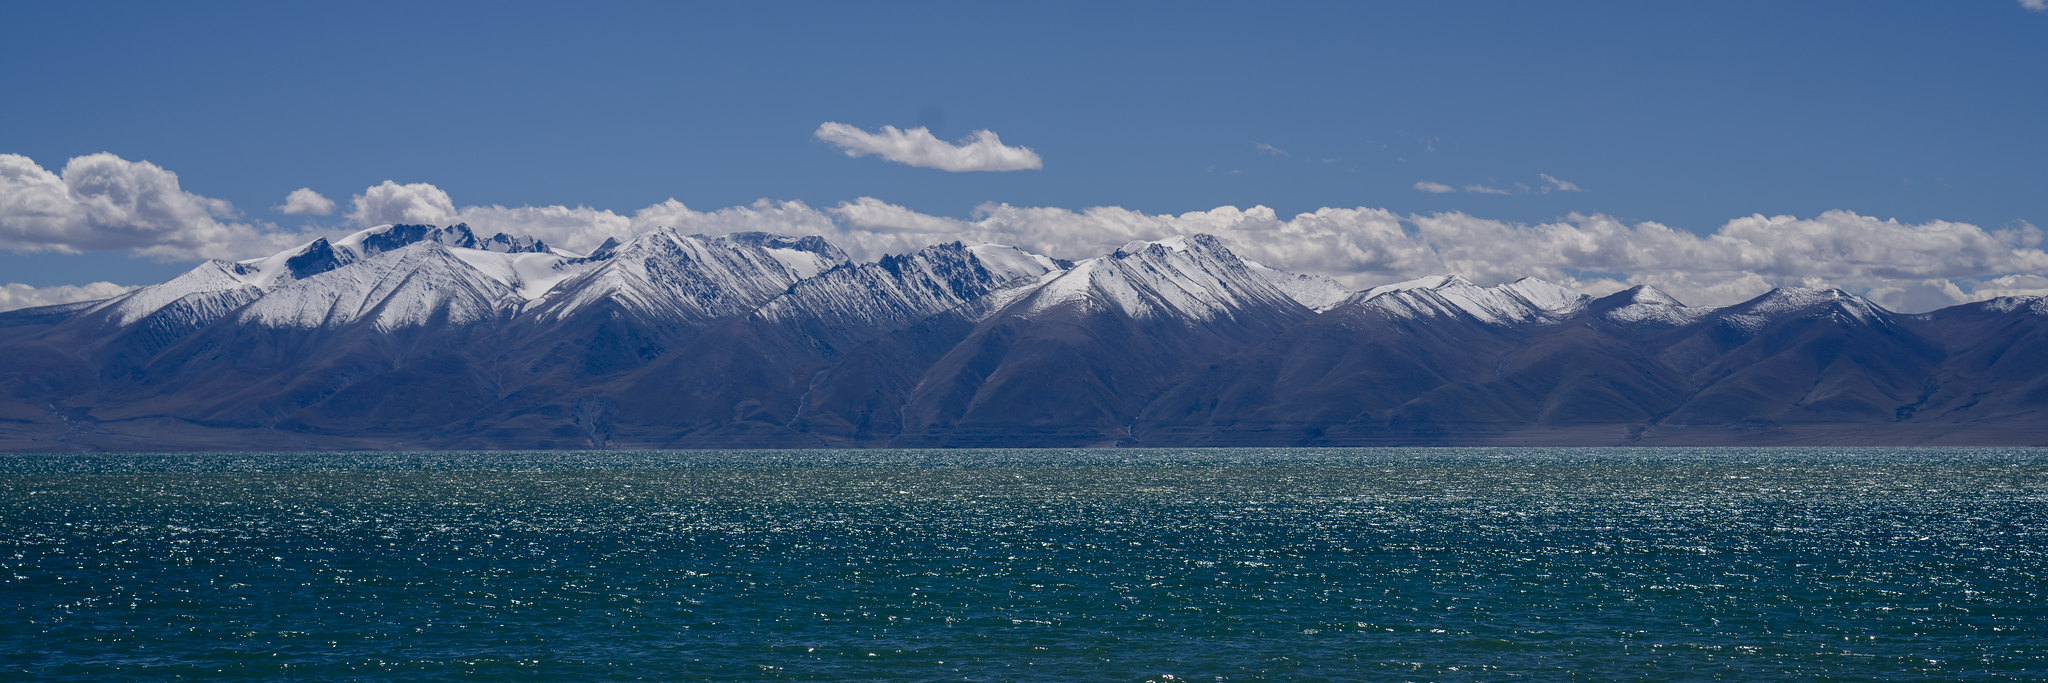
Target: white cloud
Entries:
(1907, 267)
(1485, 189)
(764, 215)
(15, 295)
(2035, 5)
(1552, 184)
(1269, 149)
(1434, 188)
(577, 229)
(101, 202)
(305, 202)
(979, 151)
(415, 203)
(2011, 285)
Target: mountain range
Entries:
(412, 336)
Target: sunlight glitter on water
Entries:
(1027, 565)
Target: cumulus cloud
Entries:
(2035, 5)
(1434, 188)
(1552, 184)
(2012, 285)
(15, 295)
(583, 228)
(764, 215)
(415, 203)
(101, 202)
(979, 151)
(305, 202)
(1485, 189)
(1903, 266)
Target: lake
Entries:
(1027, 565)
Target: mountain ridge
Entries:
(412, 336)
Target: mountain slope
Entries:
(778, 369)
(1800, 355)
(1075, 360)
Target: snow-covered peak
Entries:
(1646, 294)
(1432, 282)
(1802, 301)
(1009, 263)
(667, 276)
(1523, 301)
(2037, 305)
(1318, 292)
(806, 256)
(211, 278)
(530, 274)
(1643, 304)
(322, 255)
(383, 238)
(1180, 243)
(1190, 277)
(410, 287)
(900, 289)
(1549, 297)
(1790, 299)
(298, 263)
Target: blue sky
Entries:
(1687, 115)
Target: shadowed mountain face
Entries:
(425, 337)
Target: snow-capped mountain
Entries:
(1646, 305)
(669, 277)
(216, 288)
(1318, 292)
(409, 287)
(203, 294)
(431, 336)
(1189, 277)
(2035, 305)
(1528, 300)
(903, 288)
(1804, 302)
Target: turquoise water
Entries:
(1423, 564)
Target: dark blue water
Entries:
(1027, 565)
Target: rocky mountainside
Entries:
(413, 336)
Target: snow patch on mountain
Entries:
(530, 274)
(900, 289)
(1318, 292)
(2037, 305)
(1646, 305)
(410, 287)
(1007, 263)
(1779, 303)
(224, 280)
(1528, 300)
(1186, 277)
(668, 276)
(806, 256)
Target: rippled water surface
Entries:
(1027, 565)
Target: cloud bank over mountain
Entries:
(16, 295)
(104, 203)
